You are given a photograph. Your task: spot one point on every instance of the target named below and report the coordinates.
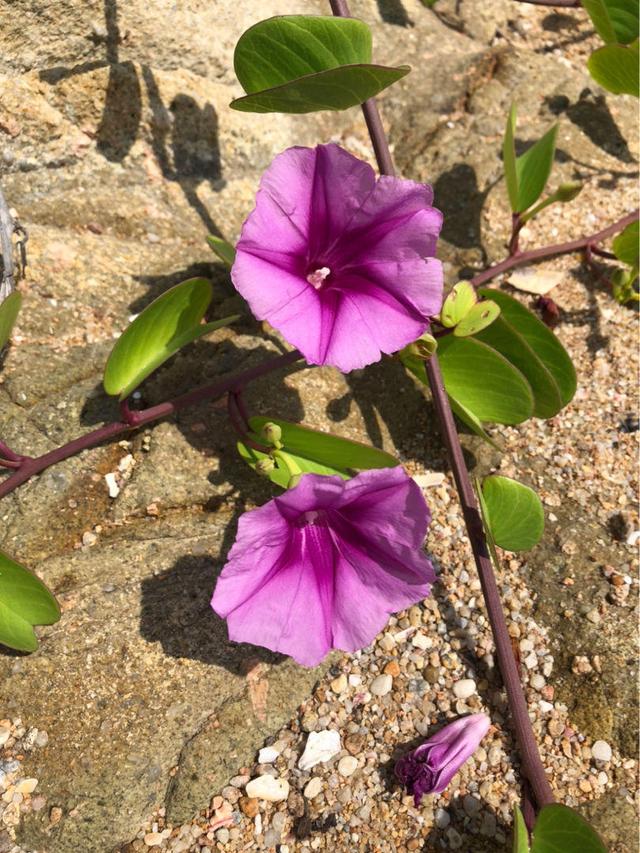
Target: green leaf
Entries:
(324, 448)
(514, 513)
(280, 475)
(615, 68)
(336, 89)
(24, 601)
(482, 380)
(626, 246)
(599, 13)
(520, 834)
(224, 250)
(469, 419)
(481, 315)
(533, 348)
(614, 20)
(8, 313)
(509, 159)
(560, 829)
(533, 169)
(302, 63)
(622, 285)
(169, 323)
(458, 303)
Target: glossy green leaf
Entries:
(482, 380)
(303, 63)
(520, 834)
(626, 246)
(324, 448)
(336, 89)
(224, 250)
(280, 475)
(614, 20)
(533, 169)
(514, 513)
(615, 68)
(24, 602)
(482, 314)
(624, 285)
(533, 348)
(469, 419)
(169, 323)
(9, 310)
(509, 159)
(460, 300)
(560, 829)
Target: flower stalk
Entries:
(531, 762)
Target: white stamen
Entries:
(311, 515)
(317, 278)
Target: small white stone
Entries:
(443, 819)
(465, 688)
(531, 661)
(537, 681)
(601, 751)
(381, 685)
(153, 838)
(5, 734)
(354, 680)
(112, 485)
(347, 765)
(545, 707)
(268, 788)
(313, 787)
(420, 641)
(267, 755)
(320, 746)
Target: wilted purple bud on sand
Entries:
(339, 262)
(323, 566)
(430, 767)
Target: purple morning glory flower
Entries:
(322, 566)
(430, 767)
(340, 263)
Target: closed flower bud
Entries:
(265, 466)
(424, 347)
(272, 433)
(567, 192)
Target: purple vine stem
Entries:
(532, 766)
(31, 466)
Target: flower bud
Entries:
(567, 192)
(424, 347)
(265, 466)
(272, 433)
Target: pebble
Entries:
(442, 818)
(339, 684)
(5, 734)
(267, 755)
(320, 747)
(248, 806)
(26, 786)
(153, 838)
(223, 836)
(313, 787)
(381, 685)
(465, 688)
(392, 668)
(268, 788)
(538, 681)
(347, 765)
(601, 751)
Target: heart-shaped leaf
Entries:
(169, 323)
(303, 63)
(481, 315)
(533, 348)
(626, 246)
(458, 303)
(615, 68)
(559, 829)
(483, 381)
(223, 249)
(24, 602)
(513, 512)
(9, 309)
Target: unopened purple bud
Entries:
(430, 767)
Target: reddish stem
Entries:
(31, 466)
(531, 763)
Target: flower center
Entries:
(317, 277)
(314, 516)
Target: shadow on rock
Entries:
(177, 614)
(592, 115)
(393, 12)
(480, 832)
(457, 195)
(215, 272)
